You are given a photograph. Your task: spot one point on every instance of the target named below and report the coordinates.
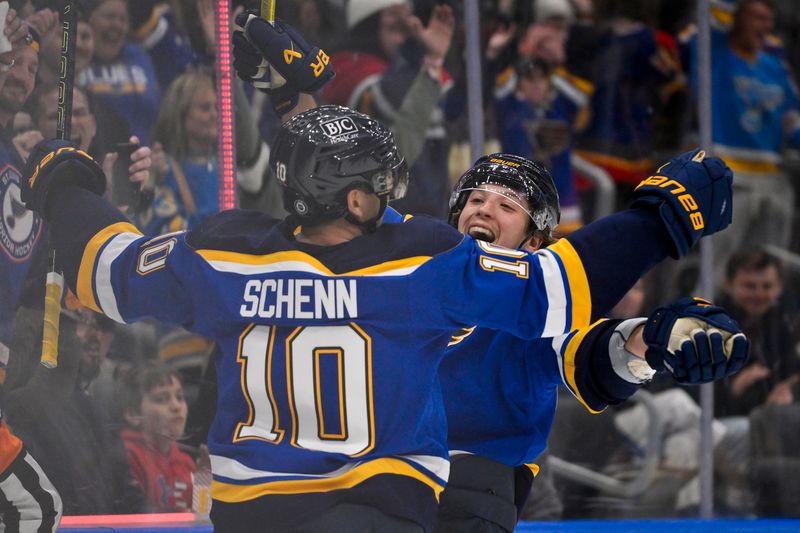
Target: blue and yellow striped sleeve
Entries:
(115, 270)
(586, 369)
(613, 253)
(551, 292)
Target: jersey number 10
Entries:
(349, 350)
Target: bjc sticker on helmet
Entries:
(339, 127)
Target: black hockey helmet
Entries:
(527, 178)
(323, 153)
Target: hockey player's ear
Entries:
(363, 206)
(533, 243)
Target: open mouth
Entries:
(481, 233)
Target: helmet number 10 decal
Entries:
(280, 172)
(328, 383)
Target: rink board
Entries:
(186, 523)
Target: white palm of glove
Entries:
(685, 329)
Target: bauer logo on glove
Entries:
(693, 195)
(49, 157)
(277, 60)
(53, 164)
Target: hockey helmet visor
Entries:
(526, 184)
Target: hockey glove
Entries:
(695, 341)
(693, 196)
(299, 66)
(54, 164)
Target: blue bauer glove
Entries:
(54, 164)
(693, 195)
(695, 341)
(277, 60)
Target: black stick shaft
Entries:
(66, 78)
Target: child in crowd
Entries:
(537, 121)
(155, 412)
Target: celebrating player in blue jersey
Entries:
(331, 325)
(500, 391)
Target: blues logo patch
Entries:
(19, 228)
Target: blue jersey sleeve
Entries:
(114, 269)
(527, 295)
(547, 293)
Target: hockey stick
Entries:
(54, 287)
(268, 10)
(268, 13)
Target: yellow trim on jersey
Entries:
(723, 15)
(504, 77)
(302, 257)
(569, 361)
(534, 468)
(147, 28)
(581, 296)
(610, 161)
(231, 493)
(176, 224)
(582, 84)
(188, 346)
(86, 270)
(582, 118)
(743, 165)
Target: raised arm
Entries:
(107, 262)
(577, 280)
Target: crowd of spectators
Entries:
(609, 82)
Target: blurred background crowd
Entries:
(597, 90)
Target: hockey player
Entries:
(500, 391)
(332, 325)
(329, 406)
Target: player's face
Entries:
(164, 410)
(755, 291)
(201, 120)
(21, 79)
(495, 214)
(110, 25)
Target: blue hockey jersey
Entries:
(328, 369)
(500, 391)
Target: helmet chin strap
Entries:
(369, 226)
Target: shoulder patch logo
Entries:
(339, 128)
(19, 228)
